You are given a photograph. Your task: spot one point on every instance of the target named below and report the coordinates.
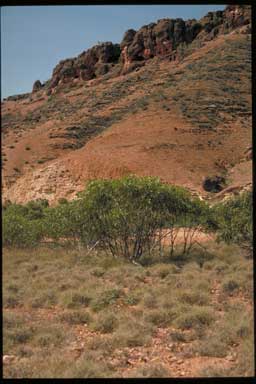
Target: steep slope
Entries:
(185, 120)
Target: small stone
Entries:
(180, 362)
(7, 359)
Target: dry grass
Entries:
(71, 315)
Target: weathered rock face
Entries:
(236, 16)
(92, 63)
(157, 39)
(162, 39)
(215, 23)
(152, 40)
(37, 86)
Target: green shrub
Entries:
(52, 335)
(122, 216)
(77, 299)
(234, 219)
(66, 220)
(125, 214)
(160, 317)
(105, 323)
(20, 335)
(196, 297)
(196, 318)
(106, 298)
(131, 299)
(18, 231)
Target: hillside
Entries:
(172, 100)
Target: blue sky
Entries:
(35, 38)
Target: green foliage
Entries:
(66, 221)
(105, 323)
(62, 200)
(125, 214)
(32, 210)
(108, 297)
(234, 219)
(129, 218)
(198, 317)
(18, 231)
(35, 209)
(22, 225)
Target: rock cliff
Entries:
(165, 38)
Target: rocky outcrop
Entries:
(161, 38)
(95, 62)
(236, 16)
(157, 39)
(221, 22)
(37, 86)
(166, 38)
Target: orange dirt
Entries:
(153, 141)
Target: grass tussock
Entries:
(62, 306)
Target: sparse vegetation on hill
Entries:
(207, 106)
(196, 92)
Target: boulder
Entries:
(37, 86)
(94, 62)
